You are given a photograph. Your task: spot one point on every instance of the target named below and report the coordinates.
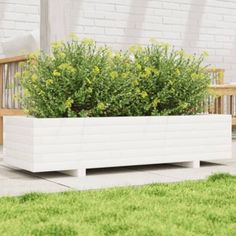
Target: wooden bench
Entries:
(9, 88)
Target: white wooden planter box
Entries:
(77, 144)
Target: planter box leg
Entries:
(75, 173)
(194, 164)
(190, 164)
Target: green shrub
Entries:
(80, 79)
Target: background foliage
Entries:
(80, 79)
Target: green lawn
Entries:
(190, 208)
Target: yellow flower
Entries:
(88, 41)
(135, 82)
(205, 53)
(180, 52)
(25, 74)
(26, 92)
(114, 74)
(68, 103)
(124, 75)
(62, 55)
(34, 77)
(155, 103)
(66, 67)
(221, 76)
(33, 56)
(213, 69)
(148, 71)
(88, 81)
(96, 70)
(17, 75)
(144, 94)
(138, 66)
(26, 111)
(177, 72)
(166, 46)
(57, 44)
(117, 55)
(101, 106)
(145, 59)
(194, 76)
(90, 90)
(109, 52)
(41, 92)
(184, 105)
(183, 54)
(74, 36)
(63, 66)
(49, 82)
(56, 73)
(135, 48)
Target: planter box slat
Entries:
(173, 144)
(185, 144)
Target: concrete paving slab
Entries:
(14, 187)
(17, 182)
(181, 174)
(106, 178)
(8, 173)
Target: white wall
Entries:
(18, 17)
(195, 25)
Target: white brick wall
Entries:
(18, 17)
(195, 25)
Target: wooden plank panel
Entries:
(13, 59)
(234, 121)
(228, 90)
(12, 112)
(1, 130)
(225, 89)
(1, 85)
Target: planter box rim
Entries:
(119, 117)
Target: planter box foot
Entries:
(190, 164)
(75, 173)
(194, 164)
